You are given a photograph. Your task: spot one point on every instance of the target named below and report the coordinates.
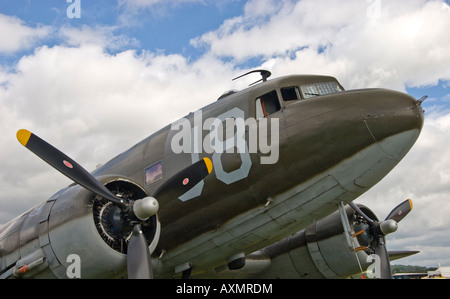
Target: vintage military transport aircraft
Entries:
(260, 183)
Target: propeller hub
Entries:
(145, 208)
(389, 226)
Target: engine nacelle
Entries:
(76, 231)
(319, 251)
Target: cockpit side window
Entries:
(319, 89)
(290, 93)
(153, 173)
(267, 104)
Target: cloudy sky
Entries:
(95, 77)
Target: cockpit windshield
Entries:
(319, 89)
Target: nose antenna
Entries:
(422, 99)
(264, 74)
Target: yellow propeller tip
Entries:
(23, 136)
(208, 164)
(410, 204)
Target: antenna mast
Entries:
(264, 74)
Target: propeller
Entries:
(380, 229)
(138, 254)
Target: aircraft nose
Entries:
(393, 119)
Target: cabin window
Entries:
(319, 89)
(153, 173)
(267, 104)
(290, 93)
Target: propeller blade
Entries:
(385, 266)
(65, 165)
(184, 180)
(139, 264)
(400, 211)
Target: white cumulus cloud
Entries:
(15, 35)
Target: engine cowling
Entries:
(75, 230)
(319, 251)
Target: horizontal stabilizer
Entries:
(399, 254)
